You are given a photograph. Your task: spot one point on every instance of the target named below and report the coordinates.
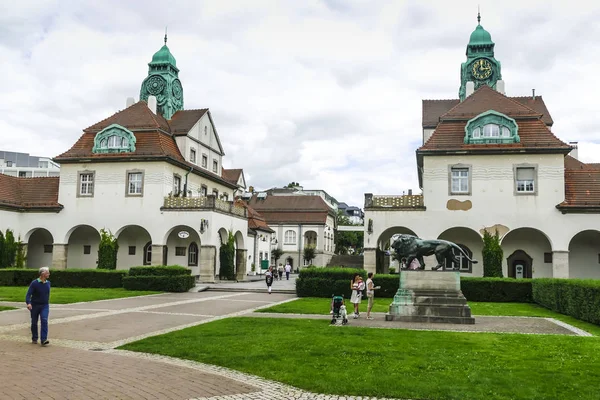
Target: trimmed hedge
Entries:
(162, 270)
(83, 278)
(335, 273)
(579, 298)
(173, 283)
(497, 290)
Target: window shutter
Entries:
(525, 174)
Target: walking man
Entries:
(288, 269)
(370, 294)
(37, 300)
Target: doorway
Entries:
(519, 265)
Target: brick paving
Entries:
(82, 363)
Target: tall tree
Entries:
(227, 258)
(309, 253)
(492, 255)
(107, 250)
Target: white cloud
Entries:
(325, 93)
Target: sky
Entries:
(326, 93)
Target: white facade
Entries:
(43, 166)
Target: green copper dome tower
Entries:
(163, 82)
(481, 67)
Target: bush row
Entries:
(579, 298)
(162, 270)
(167, 283)
(84, 278)
(497, 290)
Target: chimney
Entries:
(500, 87)
(470, 88)
(152, 103)
(410, 192)
(533, 94)
(574, 153)
(130, 102)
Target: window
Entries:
(289, 237)
(216, 193)
(203, 190)
(180, 251)
(505, 132)
(193, 255)
(464, 264)
(215, 166)
(460, 179)
(132, 250)
(135, 183)
(525, 179)
(193, 156)
(225, 197)
(548, 258)
(86, 184)
(47, 248)
(205, 130)
(87, 249)
(9, 163)
(148, 253)
(22, 174)
(477, 132)
(176, 185)
(204, 161)
(260, 257)
(491, 127)
(491, 130)
(43, 164)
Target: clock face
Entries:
(481, 69)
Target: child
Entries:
(269, 278)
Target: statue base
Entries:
(430, 296)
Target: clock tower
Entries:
(481, 68)
(163, 82)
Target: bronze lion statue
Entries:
(411, 247)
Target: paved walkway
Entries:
(82, 363)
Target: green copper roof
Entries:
(163, 56)
(480, 36)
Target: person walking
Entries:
(370, 293)
(288, 269)
(269, 278)
(38, 304)
(357, 285)
(280, 271)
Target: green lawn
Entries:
(70, 295)
(314, 356)
(6, 308)
(312, 305)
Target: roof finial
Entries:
(165, 35)
(478, 16)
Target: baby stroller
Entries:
(338, 310)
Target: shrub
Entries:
(8, 250)
(492, 255)
(497, 289)
(309, 254)
(107, 250)
(334, 273)
(172, 283)
(83, 278)
(161, 270)
(325, 282)
(20, 257)
(579, 298)
(276, 254)
(227, 259)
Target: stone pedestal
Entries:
(430, 296)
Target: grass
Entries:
(312, 305)
(70, 295)
(6, 308)
(314, 356)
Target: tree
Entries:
(277, 253)
(345, 240)
(107, 250)
(292, 184)
(227, 258)
(20, 257)
(492, 255)
(309, 254)
(8, 249)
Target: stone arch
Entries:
(310, 238)
(39, 247)
(535, 243)
(223, 235)
(519, 265)
(132, 240)
(239, 240)
(470, 241)
(177, 244)
(584, 254)
(384, 239)
(82, 247)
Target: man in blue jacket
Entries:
(37, 299)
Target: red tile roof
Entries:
(255, 219)
(184, 120)
(135, 117)
(29, 194)
(231, 175)
(433, 109)
(291, 209)
(582, 186)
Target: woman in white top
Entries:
(357, 286)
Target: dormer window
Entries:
(114, 139)
(491, 127)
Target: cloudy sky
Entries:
(323, 92)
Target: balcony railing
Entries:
(399, 202)
(203, 203)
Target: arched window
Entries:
(289, 237)
(193, 255)
(491, 127)
(148, 253)
(465, 264)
